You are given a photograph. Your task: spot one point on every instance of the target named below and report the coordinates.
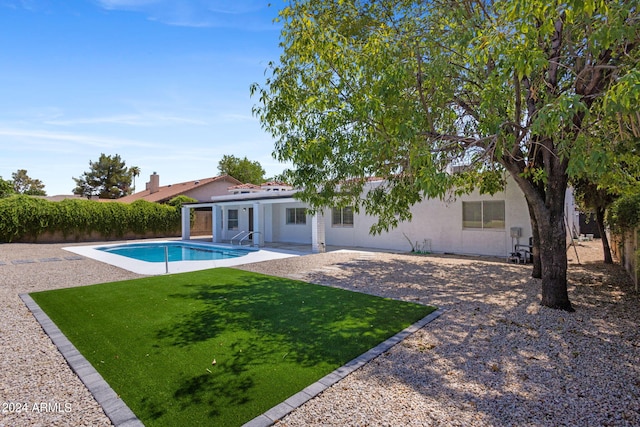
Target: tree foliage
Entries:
(404, 89)
(180, 200)
(243, 170)
(624, 214)
(6, 189)
(135, 172)
(109, 178)
(24, 184)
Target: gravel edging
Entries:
(37, 386)
(495, 357)
(114, 407)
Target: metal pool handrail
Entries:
(237, 235)
(251, 233)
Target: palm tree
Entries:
(134, 171)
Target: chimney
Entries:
(154, 183)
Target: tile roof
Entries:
(168, 192)
(245, 187)
(275, 183)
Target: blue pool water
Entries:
(177, 251)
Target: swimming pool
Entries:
(103, 253)
(176, 251)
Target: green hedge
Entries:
(624, 214)
(25, 217)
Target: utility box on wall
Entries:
(516, 231)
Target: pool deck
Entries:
(157, 268)
(271, 251)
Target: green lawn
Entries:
(154, 339)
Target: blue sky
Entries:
(162, 83)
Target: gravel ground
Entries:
(494, 358)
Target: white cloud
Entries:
(37, 137)
(149, 119)
(231, 117)
(197, 13)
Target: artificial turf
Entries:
(154, 339)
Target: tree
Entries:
(108, 178)
(6, 188)
(404, 89)
(610, 175)
(23, 184)
(135, 172)
(594, 198)
(243, 170)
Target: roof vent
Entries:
(197, 182)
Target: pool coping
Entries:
(158, 268)
(122, 416)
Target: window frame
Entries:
(338, 217)
(495, 222)
(231, 219)
(299, 216)
(486, 220)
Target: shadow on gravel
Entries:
(496, 357)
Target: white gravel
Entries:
(494, 358)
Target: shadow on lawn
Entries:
(268, 323)
(309, 323)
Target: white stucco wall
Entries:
(440, 223)
(436, 221)
(290, 233)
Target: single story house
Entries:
(472, 224)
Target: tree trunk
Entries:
(546, 208)
(552, 233)
(553, 258)
(608, 259)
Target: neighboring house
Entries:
(201, 189)
(472, 224)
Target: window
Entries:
(472, 214)
(232, 219)
(342, 217)
(486, 214)
(493, 214)
(296, 216)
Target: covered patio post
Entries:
(186, 223)
(216, 224)
(317, 233)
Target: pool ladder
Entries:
(244, 236)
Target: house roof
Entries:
(168, 192)
(275, 184)
(261, 195)
(245, 187)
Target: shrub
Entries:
(180, 200)
(28, 217)
(624, 214)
